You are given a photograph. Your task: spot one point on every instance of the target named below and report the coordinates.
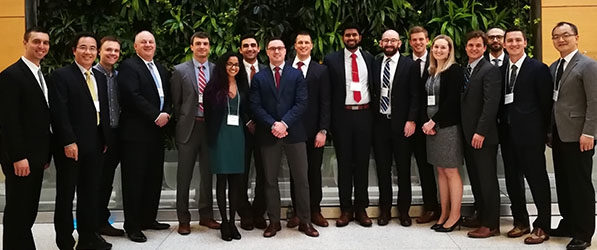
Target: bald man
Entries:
(395, 108)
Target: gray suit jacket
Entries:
(185, 96)
(575, 112)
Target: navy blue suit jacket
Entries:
(287, 104)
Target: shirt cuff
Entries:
(590, 136)
(284, 124)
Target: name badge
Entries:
(431, 100)
(509, 98)
(355, 86)
(555, 95)
(200, 98)
(232, 120)
(97, 105)
(385, 92)
(160, 92)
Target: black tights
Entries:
(234, 183)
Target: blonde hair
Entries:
(433, 70)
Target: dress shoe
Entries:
(384, 216)
(318, 219)
(483, 232)
(109, 230)
(344, 219)
(436, 226)
(259, 222)
(137, 236)
(157, 226)
(560, 232)
(443, 229)
(210, 223)
(234, 231)
(538, 236)
(472, 222)
(428, 216)
(363, 218)
(225, 232)
(405, 220)
(246, 223)
(272, 229)
(577, 244)
(308, 229)
(184, 228)
(518, 231)
(92, 241)
(293, 222)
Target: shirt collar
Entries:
(348, 53)
(568, 57)
(197, 64)
(30, 64)
(475, 62)
(423, 58)
(281, 66)
(501, 57)
(394, 58)
(83, 70)
(517, 63)
(145, 61)
(248, 65)
(306, 61)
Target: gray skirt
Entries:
(444, 149)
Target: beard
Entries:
(496, 47)
(390, 51)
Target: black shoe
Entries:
(137, 236)
(109, 230)
(92, 241)
(436, 226)
(225, 231)
(246, 223)
(234, 231)
(577, 244)
(405, 220)
(259, 222)
(443, 229)
(156, 226)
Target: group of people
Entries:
(90, 118)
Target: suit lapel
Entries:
(270, 79)
(32, 79)
(80, 78)
(193, 80)
(573, 62)
(399, 69)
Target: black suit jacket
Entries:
(73, 112)
(449, 97)
(421, 89)
(24, 117)
(530, 113)
(404, 96)
(140, 101)
(288, 103)
(216, 110)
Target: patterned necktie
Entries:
(385, 100)
(252, 72)
(512, 80)
(201, 83)
(467, 75)
(157, 84)
(277, 75)
(559, 73)
(496, 62)
(93, 93)
(355, 77)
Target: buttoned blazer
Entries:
(421, 90)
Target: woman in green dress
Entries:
(225, 105)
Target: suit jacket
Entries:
(449, 98)
(575, 111)
(140, 101)
(185, 97)
(74, 117)
(317, 115)
(288, 103)
(422, 118)
(530, 113)
(480, 102)
(24, 117)
(404, 96)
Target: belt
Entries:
(199, 118)
(356, 107)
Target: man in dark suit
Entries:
(394, 102)
(81, 125)
(316, 121)
(418, 40)
(524, 118)
(573, 136)
(109, 53)
(252, 215)
(188, 83)
(496, 54)
(278, 100)
(479, 106)
(351, 123)
(145, 103)
(25, 152)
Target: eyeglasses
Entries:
(394, 40)
(276, 48)
(247, 45)
(565, 36)
(498, 37)
(230, 65)
(85, 48)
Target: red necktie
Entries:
(252, 72)
(277, 75)
(355, 77)
(201, 83)
(300, 65)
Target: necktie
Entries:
(252, 72)
(496, 62)
(42, 83)
(157, 84)
(467, 75)
(385, 100)
(512, 78)
(299, 66)
(560, 72)
(355, 77)
(201, 83)
(93, 93)
(277, 75)
(419, 61)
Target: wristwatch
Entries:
(323, 131)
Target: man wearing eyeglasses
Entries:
(278, 100)
(395, 106)
(573, 136)
(496, 53)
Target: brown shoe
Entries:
(344, 219)
(538, 236)
(428, 216)
(184, 228)
(318, 219)
(308, 229)
(363, 218)
(272, 229)
(484, 232)
(518, 231)
(210, 223)
(292, 222)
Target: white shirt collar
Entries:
(423, 58)
(568, 57)
(517, 63)
(306, 61)
(31, 65)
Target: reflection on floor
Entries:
(353, 236)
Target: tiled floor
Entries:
(351, 237)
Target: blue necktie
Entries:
(385, 100)
(157, 83)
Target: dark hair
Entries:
(418, 29)
(78, 36)
(199, 34)
(514, 29)
(574, 28)
(475, 34)
(350, 26)
(247, 36)
(108, 38)
(218, 86)
(33, 29)
(303, 33)
(274, 39)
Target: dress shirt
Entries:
(83, 70)
(474, 64)
(423, 62)
(568, 58)
(248, 69)
(500, 58)
(363, 78)
(34, 69)
(508, 71)
(112, 94)
(206, 72)
(305, 67)
(393, 64)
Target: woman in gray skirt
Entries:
(444, 139)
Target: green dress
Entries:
(228, 154)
